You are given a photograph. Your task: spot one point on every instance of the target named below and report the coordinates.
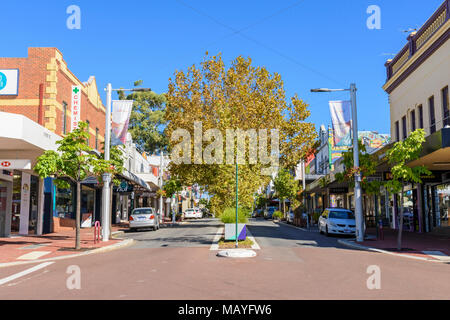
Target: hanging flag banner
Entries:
(25, 203)
(76, 107)
(342, 122)
(121, 112)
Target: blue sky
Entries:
(310, 43)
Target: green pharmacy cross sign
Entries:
(76, 90)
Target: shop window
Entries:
(443, 194)
(96, 138)
(65, 203)
(64, 118)
(88, 124)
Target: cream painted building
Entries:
(418, 80)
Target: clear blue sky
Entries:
(311, 43)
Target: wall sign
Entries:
(25, 203)
(9, 82)
(15, 164)
(76, 107)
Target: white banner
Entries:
(76, 107)
(25, 203)
(9, 82)
(342, 122)
(121, 112)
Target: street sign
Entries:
(21, 164)
(76, 107)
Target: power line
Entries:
(259, 43)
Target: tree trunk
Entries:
(400, 227)
(78, 218)
(284, 208)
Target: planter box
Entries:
(230, 231)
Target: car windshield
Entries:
(142, 211)
(341, 215)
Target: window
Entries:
(445, 107)
(397, 131)
(404, 131)
(96, 138)
(432, 116)
(413, 120)
(420, 109)
(64, 119)
(88, 123)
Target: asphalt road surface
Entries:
(177, 263)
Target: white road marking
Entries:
(255, 245)
(33, 255)
(24, 273)
(437, 255)
(215, 243)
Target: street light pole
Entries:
(161, 187)
(359, 218)
(237, 198)
(107, 176)
(106, 192)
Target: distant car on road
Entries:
(144, 218)
(337, 221)
(193, 213)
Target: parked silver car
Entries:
(337, 221)
(144, 218)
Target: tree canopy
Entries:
(244, 97)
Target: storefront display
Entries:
(443, 195)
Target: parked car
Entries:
(268, 213)
(337, 221)
(144, 218)
(193, 213)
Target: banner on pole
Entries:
(342, 122)
(76, 107)
(121, 112)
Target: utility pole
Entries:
(359, 217)
(106, 192)
(161, 187)
(106, 210)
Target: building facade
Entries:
(417, 82)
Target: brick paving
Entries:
(49, 245)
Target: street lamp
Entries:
(106, 193)
(358, 204)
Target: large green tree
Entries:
(242, 96)
(399, 157)
(147, 120)
(75, 161)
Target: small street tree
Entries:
(74, 161)
(285, 186)
(402, 153)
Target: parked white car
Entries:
(193, 213)
(337, 221)
(144, 218)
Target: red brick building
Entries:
(45, 92)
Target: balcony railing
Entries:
(417, 40)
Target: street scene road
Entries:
(177, 263)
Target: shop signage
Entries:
(124, 187)
(15, 164)
(338, 190)
(9, 82)
(76, 107)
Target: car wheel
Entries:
(326, 232)
(320, 230)
(132, 229)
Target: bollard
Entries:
(97, 230)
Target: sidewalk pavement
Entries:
(18, 248)
(423, 246)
